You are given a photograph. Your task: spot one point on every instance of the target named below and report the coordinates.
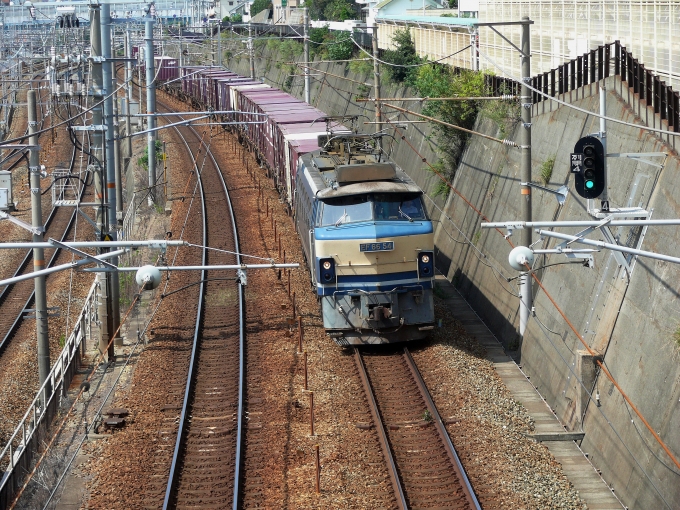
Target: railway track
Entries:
(205, 467)
(424, 468)
(15, 298)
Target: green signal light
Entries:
(590, 184)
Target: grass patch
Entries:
(505, 114)
(361, 66)
(547, 169)
(439, 292)
(441, 188)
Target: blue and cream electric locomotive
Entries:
(368, 242)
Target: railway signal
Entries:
(588, 167)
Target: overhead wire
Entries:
(571, 106)
(601, 411)
(559, 310)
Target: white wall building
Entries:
(562, 30)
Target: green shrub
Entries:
(547, 169)
(361, 67)
(342, 47)
(402, 57)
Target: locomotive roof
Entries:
(381, 176)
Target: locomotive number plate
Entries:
(387, 246)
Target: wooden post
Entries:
(305, 353)
(311, 412)
(318, 469)
(299, 334)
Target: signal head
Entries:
(590, 180)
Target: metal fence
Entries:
(17, 456)
(648, 90)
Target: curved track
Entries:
(424, 468)
(205, 469)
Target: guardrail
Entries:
(125, 232)
(17, 456)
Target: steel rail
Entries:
(441, 428)
(29, 253)
(382, 434)
(173, 476)
(29, 256)
(179, 444)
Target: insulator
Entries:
(510, 143)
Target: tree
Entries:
(339, 10)
(341, 47)
(259, 6)
(437, 80)
(403, 56)
(331, 10)
(317, 38)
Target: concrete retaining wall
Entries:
(632, 322)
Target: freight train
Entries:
(366, 236)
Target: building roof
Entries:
(434, 20)
(261, 17)
(383, 3)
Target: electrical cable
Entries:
(559, 310)
(426, 63)
(599, 408)
(480, 257)
(230, 252)
(569, 105)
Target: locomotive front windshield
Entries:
(371, 207)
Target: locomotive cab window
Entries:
(346, 210)
(398, 207)
(371, 207)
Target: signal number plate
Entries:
(387, 246)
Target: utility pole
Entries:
(604, 198)
(97, 86)
(128, 88)
(307, 86)
(38, 253)
(219, 43)
(110, 164)
(98, 156)
(376, 80)
(150, 107)
(525, 143)
(250, 51)
(181, 56)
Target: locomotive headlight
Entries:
(326, 269)
(426, 264)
